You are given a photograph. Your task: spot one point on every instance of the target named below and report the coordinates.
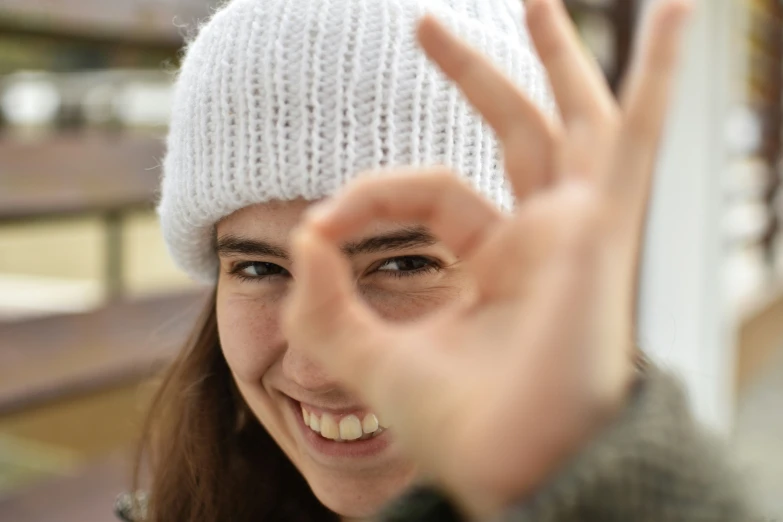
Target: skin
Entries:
(537, 317)
(267, 367)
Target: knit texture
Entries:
(288, 99)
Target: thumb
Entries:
(324, 316)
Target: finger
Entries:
(645, 102)
(454, 212)
(525, 132)
(325, 318)
(578, 84)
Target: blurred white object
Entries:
(31, 100)
(746, 276)
(748, 221)
(144, 104)
(133, 98)
(97, 103)
(685, 321)
(743, 131)
(24, 296)
(747, 178)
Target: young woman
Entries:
(461, 320)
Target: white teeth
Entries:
(381, 422)
(315, 423)
(329, 429)
(369, 424)
(350, 428)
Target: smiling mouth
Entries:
(347, 428)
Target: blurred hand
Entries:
(491, 396)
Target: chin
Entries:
(352, 504)
(352, 510)
(360, 497)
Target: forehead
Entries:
(275, 220)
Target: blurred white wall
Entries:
(685, 321)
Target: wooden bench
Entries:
(71, 385)
(47, 359)
(78, 384)
(77, 175)
(133, 22)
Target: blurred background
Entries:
(91, 306)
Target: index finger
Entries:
(578, 84)
(454, 212)
(526, 133)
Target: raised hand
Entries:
(490, 396)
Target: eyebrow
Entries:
(408, 237)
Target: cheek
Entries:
(250, 335)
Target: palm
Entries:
(514, 341)
(549, 326)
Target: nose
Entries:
(305, 372)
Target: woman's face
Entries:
(352, 465)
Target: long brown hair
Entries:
(206, 456)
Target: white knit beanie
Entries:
(286, 99)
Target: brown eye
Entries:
(408, 266)
(259, 270)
